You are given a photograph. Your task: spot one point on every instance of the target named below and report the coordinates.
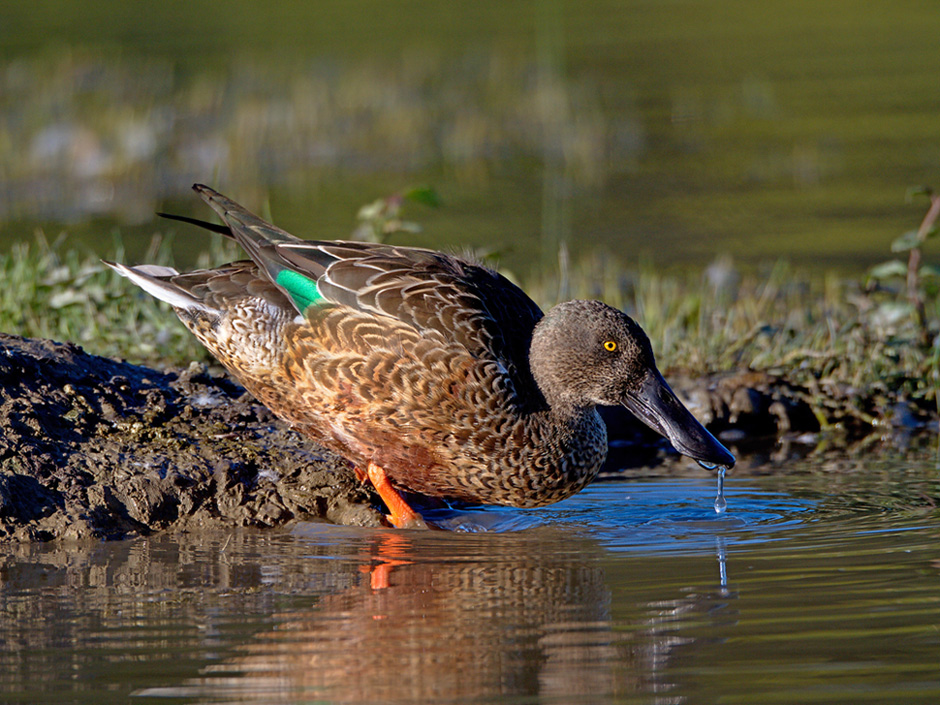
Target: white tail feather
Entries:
(146, 276)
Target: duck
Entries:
(432, 374)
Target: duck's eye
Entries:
(610, 345)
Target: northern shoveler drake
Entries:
(432, 374)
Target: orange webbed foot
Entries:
(400, 514)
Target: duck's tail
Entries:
(157, 281)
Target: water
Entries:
(673, 130)
(816, 585)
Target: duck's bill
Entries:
(656, 405)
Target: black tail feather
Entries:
(214, 227)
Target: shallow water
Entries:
(811, 587)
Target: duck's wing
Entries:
(466, 303)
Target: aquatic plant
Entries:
(382, 218)
(920, 279)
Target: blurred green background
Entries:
(674, 131)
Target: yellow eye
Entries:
(610, 345)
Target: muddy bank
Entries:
(92, 447)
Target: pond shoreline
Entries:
(97, 448)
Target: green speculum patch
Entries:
(302, 290)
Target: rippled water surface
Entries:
(814, 586)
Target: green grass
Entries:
(852, 348)
(63, 294)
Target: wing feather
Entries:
(462, 301)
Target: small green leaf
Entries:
(371, 211)
(891, 313)
(931, 232)
(886, 270)
(400, 226)
(918, 191)
(424, 195)
(908, 241)
(929, 270)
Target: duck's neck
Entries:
(570, 423)
(564, 450)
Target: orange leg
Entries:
(400, 514)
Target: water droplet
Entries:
(720, 504)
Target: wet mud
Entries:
(97, 448)
(92, 447)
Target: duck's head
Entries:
(586, 353)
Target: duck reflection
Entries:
(545, 614)
(527, 616)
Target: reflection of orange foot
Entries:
(378, 578)
(379, 574)
(392, 552)
(400, 514)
